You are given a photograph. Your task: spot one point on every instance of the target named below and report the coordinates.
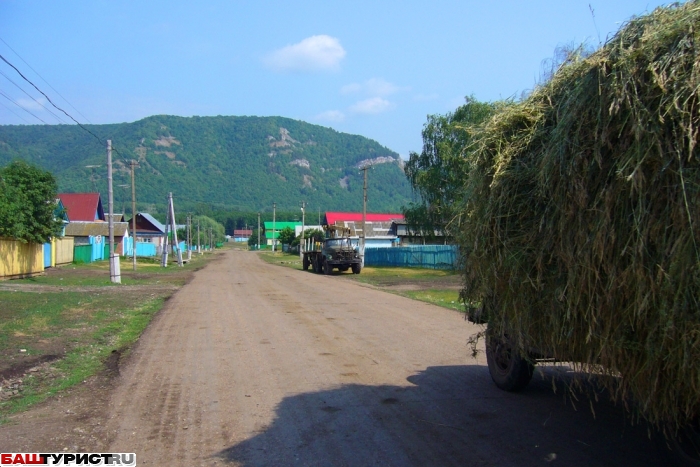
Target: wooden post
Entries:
(114, 273)
(133, 212)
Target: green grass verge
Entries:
(89, 328)
(444, 298)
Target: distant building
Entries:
(278, 226)
(148, 230)
(378, 227)
(99, 231)
(83, 207)
(241, 235)
(408, 236)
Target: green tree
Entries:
(286, 236)
(253, 240)
(206, 223)
(28, 203)
(437, 174)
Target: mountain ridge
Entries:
(240, 162)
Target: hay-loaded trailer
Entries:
(335, 251)
(580, 234)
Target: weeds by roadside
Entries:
(58, 329)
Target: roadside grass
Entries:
(148, 271)
(437, 286)
(290, 260)
(445, 298)
(57, 336)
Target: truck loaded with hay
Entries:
(579, 224)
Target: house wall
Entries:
(19, 259)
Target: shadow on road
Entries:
(447, 415)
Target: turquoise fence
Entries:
(47, 255)
(142, 248)
(419, 256)
(145, 249)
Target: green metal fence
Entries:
(82, 254)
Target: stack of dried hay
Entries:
(582, 232)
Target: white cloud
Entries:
(331, 116)
(373, 86)
(314, 53)
(31, 104)
(373, 105)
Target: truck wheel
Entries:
(305, 263)
(327, 268)
(356, 268)
(508, 369)
(317, 265)
(685, 447)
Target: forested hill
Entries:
(243, 163)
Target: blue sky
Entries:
(371, 68)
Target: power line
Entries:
(57, 107)
(42, 78)
(49, 99)
(16, 114)
(26, 110)
(32, 98)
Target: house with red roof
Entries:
(84, 207)
(378, 232)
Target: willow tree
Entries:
(437, 174)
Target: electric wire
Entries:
(16, 114)
(57, 107)
(32, 98)
(26, 110)
(42, 78)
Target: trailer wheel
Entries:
(305, 263)
(509, 370)
(356, 268)
(327, 268)
(685, 446)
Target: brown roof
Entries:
(87, 229)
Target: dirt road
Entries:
(253, 364)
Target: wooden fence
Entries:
(19, 259)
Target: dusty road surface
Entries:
(254, 364)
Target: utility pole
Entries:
(189, 236)
(133, 212)
(114, 273)
(364, 216)
(301, 242)
(164, 257)
(258, 230)
(199, 243)
(274, 207)
(176, 245)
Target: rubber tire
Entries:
(327, 268)
(316, 266)
(305, 263)
(356, 268)
(685, 448)
(509, 370)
